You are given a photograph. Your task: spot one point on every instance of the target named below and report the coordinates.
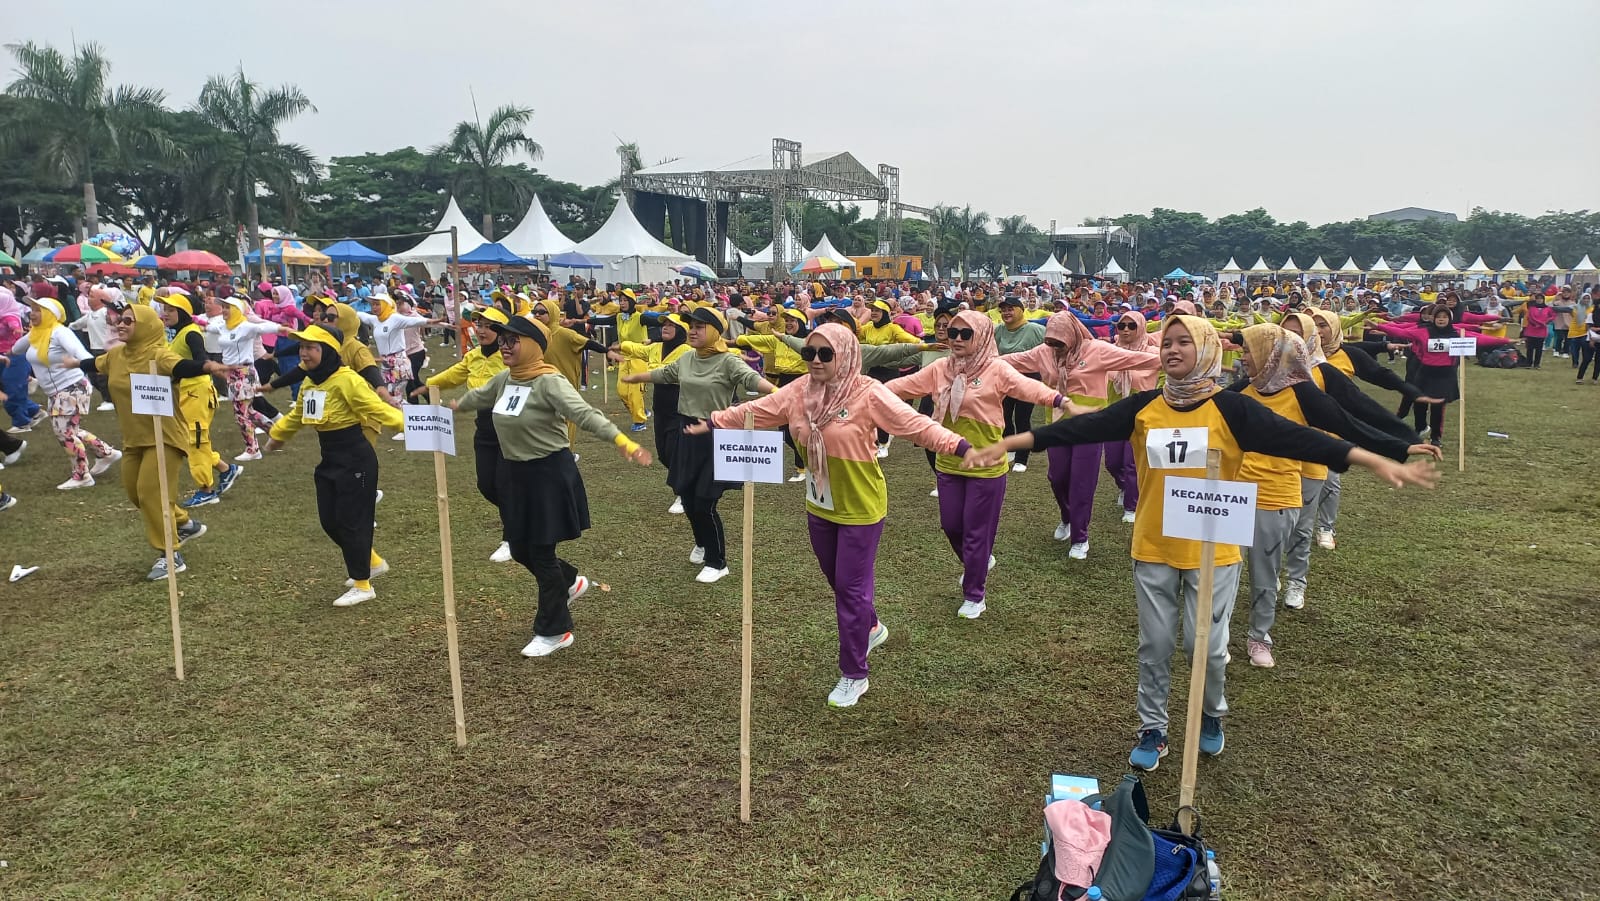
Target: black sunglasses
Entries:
(1052, 342)
(507, 339)
(960, 334)
(1127, 326)
(823, 354)
(328, 317)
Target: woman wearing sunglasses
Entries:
(1173, 427)
(707, 381)
(1131, 333)
(836, 413)
(968, 388)
(1078, 366)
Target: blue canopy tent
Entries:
(1177, 273)
(348, 251)
(573, 260)
(492, 254)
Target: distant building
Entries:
(1413, 214)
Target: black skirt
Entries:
(693, 467)
(542, 501)
(1437, 381)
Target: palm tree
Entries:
(77, 118)
(628, 156)
(252, 156)
(974, 227)
(484, 149)
(1016, 236)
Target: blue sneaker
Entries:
(226, 479)
(199, 499)
(637, 427)
(1148, 753)
(1211, 737)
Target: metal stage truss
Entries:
(701, 198)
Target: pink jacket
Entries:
(1538, 321)
(1418, 336)
(1091, 377)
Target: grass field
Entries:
(1423, 735)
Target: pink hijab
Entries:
(1074, 337)
(947, 400)
(826, 402)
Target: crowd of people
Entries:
(1265, 376)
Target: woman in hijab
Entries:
(68, 392)
(345, 412)
(142, 336)
(631, 328)
(663, 398)
(13, 368)
(541, 493)
(238, 337)
(1079, 367)
(968, 389)
(197, 401)
(566, 349)
(836, 412)
(787, 365)
(708, 379)
(1436, 369)
(1173, 428)
(1132, 333)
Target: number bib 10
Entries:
(313, 404)
(1177, 448)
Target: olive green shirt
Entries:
(706, 384)
(532, 425)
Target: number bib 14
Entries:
(512, 399)
(1177, 448)
(313, 404)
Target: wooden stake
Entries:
(168, 527)
(744, 651)
(447, 562)
(605, 361)
(1461, 411)
(1197, 663)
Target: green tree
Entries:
(252, 156)
(78, 119)
(158, 198)
(481, 153)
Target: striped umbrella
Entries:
(816, 264)
(83, 253)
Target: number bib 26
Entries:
(313, 404)
(512, 398)
(1177, 448)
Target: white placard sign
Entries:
(430, 428)
(1455, 347)
(152, 394)
(1206, 510)
(747, 456)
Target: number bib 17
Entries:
(1177, 448)
(313, 404)
(512, 399)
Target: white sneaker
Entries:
(15, 455)
(355, 596)
(502, 554)
(541, 646)
(847, 692)
(972, 609)
(1294, 597)
(376, 571)
(1010, 456)
(991, 561)
(104, 463)
(1079, 551)
(1325, 539)
(698, 555)
(247, 457)
(677, 505)
(709, 575)
(883, 454)
(399, 436)
(1062, 532)
(933, 493)
(799, 476)
(1019, 467)
(576, 458)
(377, 497)
(878, 635)
(1119, 498)
(1127, 516)
(577, 589)
(105, 407)
(260, 430)
(69, 484)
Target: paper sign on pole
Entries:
(1207, 510)
(152, 394)
(430, 428)
(742, 455)
(1455, 347)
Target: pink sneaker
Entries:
(1261, 654)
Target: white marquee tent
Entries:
(1412, 267)
(1549, 266)
(1231, 268)
(1289, 268)
(755, 265)
(825, 248)
(1584, 265)
(1513, 265)
(1052, 271)
(1113, 271)
(433, 252)
(536, 236)
(1319, 268)
(1445, 267)
(1381, 267)
(1261, 266)
(630, 253)
(1478, 267)
(1350, 267)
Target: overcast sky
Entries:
(1058, 110)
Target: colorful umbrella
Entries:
(7, 259)
(197, 261)
(83, 253)
(696, 270)
(288, 251)
(151, 261)
(817, 264)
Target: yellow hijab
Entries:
(232, 312)
(718, 346)
(50, 315)
(146, 340)
(533, 363)
(385, 307)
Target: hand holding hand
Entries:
(983, 457)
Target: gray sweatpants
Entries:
(1297, 563)
(1157, 589)
(1328, 510)
(1274, 530)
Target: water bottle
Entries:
(1213, 875)
(1093, 893)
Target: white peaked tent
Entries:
(1350, 267)
(1051, 271)
(1412, 267)
(1289, 268)
(536, 236)
(1231, 268)
(434, 251)
(1380, 267)
(1445, 267)
(1549, 266)
(1113, 271)
(1513, 265)
(1478, 267)
(1319, 268)
(630, 253)
(756, 264)
(1584, 265)
(1261, 266)
(825, 248)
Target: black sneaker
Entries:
(189, 531)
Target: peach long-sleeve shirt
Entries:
(980, 419)
(1087, 383)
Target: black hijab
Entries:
(331, 358)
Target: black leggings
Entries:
(1434, 413)
(489, 462)
(881, 374)
(415, 382)
(347, 496)
(555, 577)
(707, 526)
(1591, 354)
(1018, 418)
(1535, 347)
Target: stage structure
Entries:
(699, 200)
(1087, 249)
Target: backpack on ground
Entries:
(1502, 357)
